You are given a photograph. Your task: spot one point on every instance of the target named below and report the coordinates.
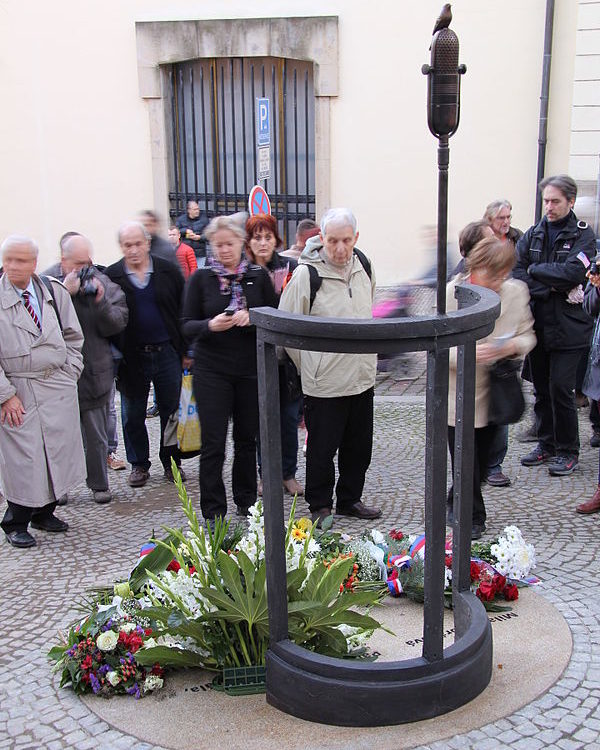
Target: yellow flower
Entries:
(305, 524)
(298, 534)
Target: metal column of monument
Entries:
(353, 693)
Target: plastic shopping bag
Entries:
(188, 429)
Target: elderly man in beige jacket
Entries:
(41, 453)
(338, 388)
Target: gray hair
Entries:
(133, 225)
(15, 240)
(340, 217)
(235, 223)
(493, 209)
(68, 245)
(564, 183)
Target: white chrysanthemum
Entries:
(153, 682)
(377, 536)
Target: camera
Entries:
(594, 265)
(87, 285)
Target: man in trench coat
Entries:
(41, 452)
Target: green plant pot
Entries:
(241, 680)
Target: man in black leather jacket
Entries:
(553, 257)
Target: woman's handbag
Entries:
(507, 403)
(188, 429)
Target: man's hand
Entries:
(594, 279)
(241, 318)
(72, 282)
(12, 412)
(99, 291)
(487, 354)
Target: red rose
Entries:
(486, 591)
(448, 561)
(192, 569)
(511, 592)
(475, 571)
(397, 535)
(174, 566)
(148, 631)
(87, 662)
(499, 582)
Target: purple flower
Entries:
(104, 669)
(134, 690)
(95, 684)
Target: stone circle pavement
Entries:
(40, 587)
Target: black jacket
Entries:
(550, 273)
(197, 226)
(231, 352)
(168, 287)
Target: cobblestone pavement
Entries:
(40, 586)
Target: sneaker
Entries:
(152, 412)
(293, 487)
(102, 496)
(537, 457)
(595, 439)
(138, 477)
(115, 463)
(498, 479)
(563, 465)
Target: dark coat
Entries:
(232, 351)
(591, 304)
(197, 225)
(550, 273)
(98, 321)
(168, 287)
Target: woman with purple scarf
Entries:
(216, 319)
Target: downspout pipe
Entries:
(544, 97)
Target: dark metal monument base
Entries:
(355, 694)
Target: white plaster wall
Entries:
(74, 135)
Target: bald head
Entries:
(76, 253)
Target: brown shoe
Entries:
(293, 487)
(592, 506)
(138, 477)
(318, 516)
(115, 463)
(360, 510)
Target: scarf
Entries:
(230, 281)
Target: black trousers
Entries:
(553, 374)
(17, 517)
(483, 437)
(220, 397)
(343, 424)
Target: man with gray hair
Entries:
(102, 311)
(553, 258)
(335, 279)
(152, 347)
(41, 454)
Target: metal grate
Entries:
(214, 155)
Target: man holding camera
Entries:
(553, 258)
(102, 312)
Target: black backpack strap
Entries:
(364, 261)
(48, 284)
(315, 283)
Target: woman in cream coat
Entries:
(489, 264)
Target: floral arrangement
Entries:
(497, 568)
(198, 598)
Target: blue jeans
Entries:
(163, 369)
(498, 449)
(288, 419)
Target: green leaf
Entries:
(327, 523)
(56, 653)
(170, 657)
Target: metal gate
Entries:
(214, 136)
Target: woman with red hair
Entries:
(262, 241)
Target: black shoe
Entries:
(595, 439)
(318, 516)
(152, 412)
(449, 515)
(563, 465)
(169, 474)
(537, 457)
(360, 510)
(49, 523)
(21, 539)
(477, 531)
(64, 499)
(242, 511)
(498, 479)
(138, 476)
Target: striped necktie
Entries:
(29, 308)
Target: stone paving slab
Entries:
(39, 587)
